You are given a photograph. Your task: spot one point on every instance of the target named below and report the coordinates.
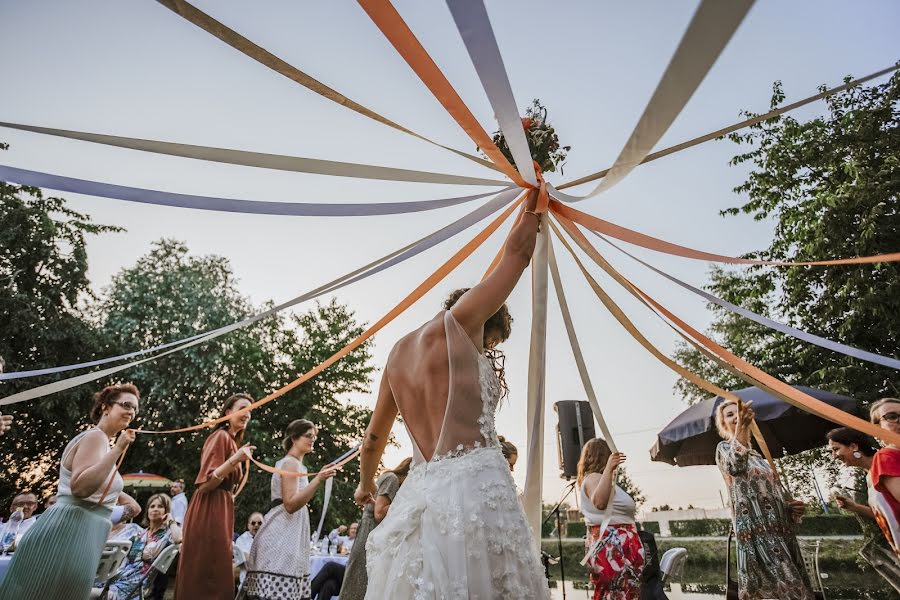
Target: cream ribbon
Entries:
(537, 360)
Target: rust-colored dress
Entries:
(204, 568)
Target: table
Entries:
(317, 561)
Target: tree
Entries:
(626, 483)
(830, 187)
(43, 288)
(169, 294)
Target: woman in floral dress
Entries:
(768, 556)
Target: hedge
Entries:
(700, 527)
(813, 525)
(830, 525)
(651, 526)
(576, 529)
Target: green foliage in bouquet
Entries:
(542, 140)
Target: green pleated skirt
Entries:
(58, 556)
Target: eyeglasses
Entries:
(25, 503)
(256, 522)
(310, 436)
(891, 417)
(128, 406)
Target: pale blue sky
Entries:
(136, 69)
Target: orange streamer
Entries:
(784, 391)
(283, 473)
(432, 280)
(398, 33)
(641, 239)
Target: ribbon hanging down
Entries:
(398, 33)
(598, 225)
(474, 27)
(261, 160)
(202, 20)
(730, 129)
(765, 321)
(254, 207)
(377, 266)
(784, 391)
(432, 280)
(709, 31)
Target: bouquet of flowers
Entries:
(542, 140)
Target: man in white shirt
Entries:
(179, 501)
(27, 503)
(346, 543)
(244, 542)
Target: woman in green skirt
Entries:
(58, 557)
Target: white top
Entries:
(179, 508)
(65, 478)
(623, 508)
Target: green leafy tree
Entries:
(830, 188)
(170, 294)
(43, 287)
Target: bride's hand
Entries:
(365, 493)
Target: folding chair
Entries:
(672, 563)
(110, 566)
(809, 550)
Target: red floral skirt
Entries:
(615, 569)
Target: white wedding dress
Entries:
(456, 530)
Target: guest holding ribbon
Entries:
(57, 559)
(204, 567)
(510, 452)
(769, 561)
(884, 476)
(278, 565)
(615, 555)
(856, 449)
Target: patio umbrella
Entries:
(691, 438)
(145, 481)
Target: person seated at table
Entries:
(27, 502)
(347, 543)
(336, 535)
(244, 543)
(278, 565)
(57, 559)
(179, 500)
(328, 581)
(49, 502)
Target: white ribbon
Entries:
(329, 484)
(589, 392)
(771, 324)
(294, 209)
(261, 160)
(712, 26)
(357, 275)
(537, 359)
(475, 28)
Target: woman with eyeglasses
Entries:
(204, 565)
(57, 559)
(855, 449)
(278, 565)
(884, 476)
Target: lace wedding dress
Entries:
(456, 530)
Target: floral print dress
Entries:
(768, 555)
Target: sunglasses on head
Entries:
(890, 417)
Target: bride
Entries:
(456, 529)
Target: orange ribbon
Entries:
(398, 33)
(641, 239)
(283, 473)
(439, 274)
(782, 389)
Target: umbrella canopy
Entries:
(691, 438)
(141, 480)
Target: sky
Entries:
(136, 69)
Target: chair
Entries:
(161, 564)
(111, 560)
(809, 550)
(672, 563)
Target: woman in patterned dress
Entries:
(615, 554)
(278, 565)
(768, 555)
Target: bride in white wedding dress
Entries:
(455, 530)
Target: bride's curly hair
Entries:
(501, 323)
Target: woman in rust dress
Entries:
(204, 569)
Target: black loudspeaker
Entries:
(575, 427)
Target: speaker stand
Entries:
(546, 558)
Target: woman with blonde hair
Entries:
(355, 577)
(768, 556)
(884, 475)
(615, 554)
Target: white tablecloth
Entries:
(317, 561)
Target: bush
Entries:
(576, 529)
(700, 527)
(651, 526)
(830, 525)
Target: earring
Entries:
(857, 454)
